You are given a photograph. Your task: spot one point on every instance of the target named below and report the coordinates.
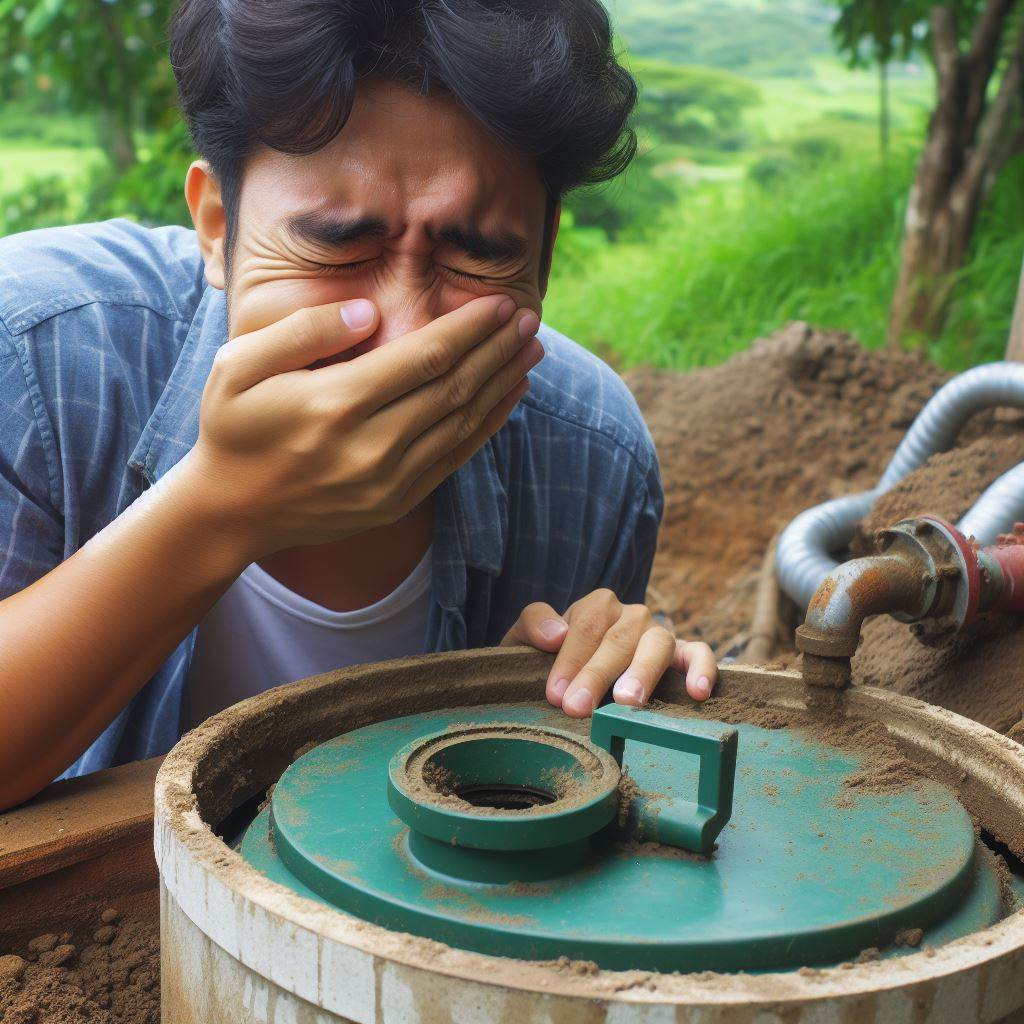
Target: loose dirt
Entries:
(799, 417)
(108, 976)
(803, 416)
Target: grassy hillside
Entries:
(751, 36)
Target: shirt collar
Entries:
(473, 512)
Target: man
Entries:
(326, 426)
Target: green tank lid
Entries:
(508, 830)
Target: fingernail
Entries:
(357, 314)
(703, 688)
(529, 325)
(630, 690)
(505, 310)
(581, 702)
(558, 688)
(552, 629)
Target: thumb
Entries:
(539, 626)
(301, 338)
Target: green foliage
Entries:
(737, 266)
(152, 190)
(149, 192)
(822, 246)
(979, 319)
(104, 57)
(879, 30)
(760, 37)
(682, 112)
(691, 105)
(43, 203)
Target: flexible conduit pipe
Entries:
(804, 557)
(1000, 506)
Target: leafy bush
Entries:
(42, 203)
(151, 191)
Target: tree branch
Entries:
(946, 50)
(980, 62)
(982, 165)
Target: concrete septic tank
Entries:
(237, 945)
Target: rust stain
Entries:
(822, 596)
(868, 589)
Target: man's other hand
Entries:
(601, 645)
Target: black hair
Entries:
(541, 75)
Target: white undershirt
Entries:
(261, 634)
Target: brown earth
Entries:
(109, 975)
(801, 417)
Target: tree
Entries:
(879, 31)
(977, 47)
(106, 57)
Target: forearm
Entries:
(78, 644)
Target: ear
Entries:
(546, 257)
(202, 193)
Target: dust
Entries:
(628, 790)
(109, 976)
(426, 780)
(883, 767)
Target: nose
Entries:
(403, 310)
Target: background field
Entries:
(759, 195)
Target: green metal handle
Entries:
(694, 825)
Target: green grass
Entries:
(730, 265)
(21, 160)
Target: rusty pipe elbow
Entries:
(849, 594)
(914, 576)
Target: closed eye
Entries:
(359, 265)
(344, 268)
(462, 274)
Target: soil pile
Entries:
(110, 976)
(801, 417)
(798, 418)
(979, 673)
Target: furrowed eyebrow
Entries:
(333, 231)
(489, 248)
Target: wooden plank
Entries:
(77, 820)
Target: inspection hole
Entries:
(505, 797)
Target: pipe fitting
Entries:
(807, 547)
(926, 573)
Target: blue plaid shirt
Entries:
(107, 334)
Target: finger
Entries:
(301, 338)
(698, 661)
(538, 626)
(403, 364)
(654, 654)
(427, 481)
(483, 377)
(589, 621)
(454, 429)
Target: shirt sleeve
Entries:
(31, 530)
(632, 556)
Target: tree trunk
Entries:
(962, 156)
(118, 141)
(883, 110)
(1015, 345)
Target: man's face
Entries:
(414, 206)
